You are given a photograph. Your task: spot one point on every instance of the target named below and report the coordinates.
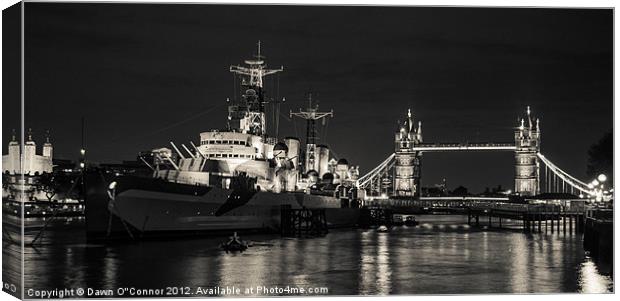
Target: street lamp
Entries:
(602, 178)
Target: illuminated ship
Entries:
(234, 179)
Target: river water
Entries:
(443, 255)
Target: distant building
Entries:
(33, 164)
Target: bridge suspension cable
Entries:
(564, 176)
(372, 175)
(555, 178)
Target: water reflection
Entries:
(591, 281)
(383, 265)
(367, 264)
(442, 256)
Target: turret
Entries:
(10, 162)
(47, 147)
(30, 152)
(419, 131)
(407, 135)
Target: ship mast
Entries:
(311, 114)
(249, 116)
(256, 70)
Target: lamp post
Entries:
(597, 188)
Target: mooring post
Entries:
(564, 222)
(552, 220)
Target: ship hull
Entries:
(143, 212)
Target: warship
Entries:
(235, 179)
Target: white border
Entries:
(523, 3)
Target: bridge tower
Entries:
(407, 161)
(527, 167)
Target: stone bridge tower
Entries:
(407, 161)
(527, 168)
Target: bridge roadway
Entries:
(440, 147)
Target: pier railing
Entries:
(479, 203)
(525, 208)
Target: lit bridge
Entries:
(398, 176)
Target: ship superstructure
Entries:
(246, 148)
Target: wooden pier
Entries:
(302, 222)
(533, 217)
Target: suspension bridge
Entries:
(398, 176)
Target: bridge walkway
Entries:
(533, 217)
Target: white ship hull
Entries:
(148, 212)
(156, 212)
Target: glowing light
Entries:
(581, 195)
(590, 279)
(82, 152)
(602, 178)
(112, 185)
(595, 182)
(81, 164)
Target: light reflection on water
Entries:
(442, 256)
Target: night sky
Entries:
(143, 75)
